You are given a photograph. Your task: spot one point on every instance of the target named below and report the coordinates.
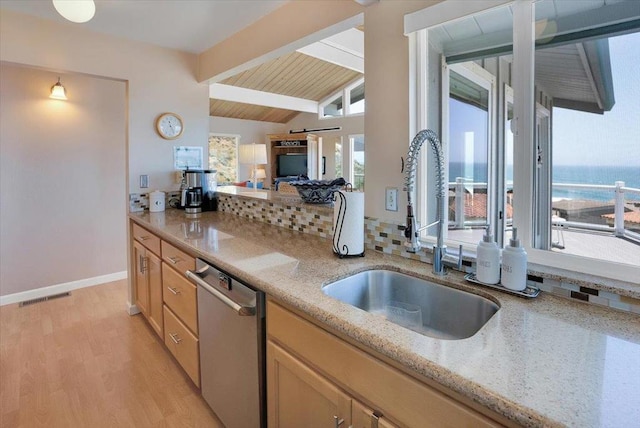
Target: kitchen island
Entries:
(542, 362)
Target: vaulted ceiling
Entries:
(304, 75)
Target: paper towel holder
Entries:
(344, 251)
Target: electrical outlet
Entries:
(391, 199)
(144, 181)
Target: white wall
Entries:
(250, 131)
(159, 80)
(62, 179)
(350, 126)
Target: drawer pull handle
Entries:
(337, 421)
(174, 260)
(175, 338)
(144, 238)
(143, 264)
(174, 290)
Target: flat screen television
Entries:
(292, 164)
(295, 164)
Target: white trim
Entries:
(345, 93)
(354, 21)
(524, 117)
(345, 49)
(61, 288)
(251, 96)
(133, 309)
(446, 11)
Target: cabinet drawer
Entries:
(180, 295)
(146, 238)
(182, 344)
(177, 259)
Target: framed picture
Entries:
(187, 157)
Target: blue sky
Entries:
(613, 138)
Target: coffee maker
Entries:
(197, 191)
(191, 191)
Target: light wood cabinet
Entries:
(177, 259)
(365, 417)
(165, 297)
(299, 397)
(183, 345)
(146, 238)
(154, 313)
(180, 296)
(396, 397)
(180, 299)
(148, 283)
(309, 144)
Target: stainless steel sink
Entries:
(428, 308)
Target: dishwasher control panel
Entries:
(224, 281)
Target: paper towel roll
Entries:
(348, 224)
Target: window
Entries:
(595, 157)
(356, 176)
(348, 101)
(223, 157)
(569, 177)
(333, 108)
(338, 158)
(470, 136)
(356, 99)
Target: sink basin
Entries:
(425, 307)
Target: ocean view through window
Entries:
(563, 154)
(595, 170)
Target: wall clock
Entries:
(169, 126)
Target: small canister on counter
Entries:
(156, 201)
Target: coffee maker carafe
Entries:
(191, 191)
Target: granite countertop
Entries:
(541, 362)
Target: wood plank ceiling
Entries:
(295, 74)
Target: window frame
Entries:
(345, 93)
(487, 81)
(237, 137)
(525, 212)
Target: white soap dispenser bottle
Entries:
(488, 260)
(514, 265)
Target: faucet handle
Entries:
(453, 260)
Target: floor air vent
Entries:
(43, 299)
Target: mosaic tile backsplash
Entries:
(385, 237)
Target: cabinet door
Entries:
(154, 308)
(141, 277)
(363, 417)
(299, 397)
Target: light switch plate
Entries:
(391, 199)
(144, 181)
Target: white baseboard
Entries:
(61, 288)
(132, 309)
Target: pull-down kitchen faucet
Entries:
(412, 230)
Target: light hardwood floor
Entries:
(82, 361)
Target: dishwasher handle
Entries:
(241, 310)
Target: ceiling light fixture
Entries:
(77, 11)
(58, 92)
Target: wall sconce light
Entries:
(77, 11)
(58, 92)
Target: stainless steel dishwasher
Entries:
(232, 347)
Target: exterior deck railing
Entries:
(619, 189)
